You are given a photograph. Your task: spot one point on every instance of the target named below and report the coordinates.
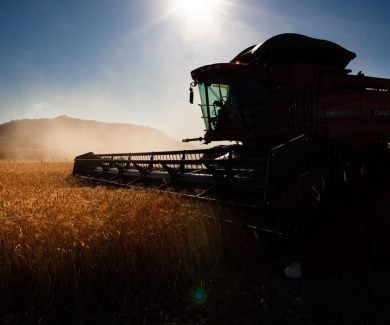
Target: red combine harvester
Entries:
(311, 143)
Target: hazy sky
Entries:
(130, 60)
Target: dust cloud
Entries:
(63, 138)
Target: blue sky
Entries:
(130, 61)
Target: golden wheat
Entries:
(65, 242)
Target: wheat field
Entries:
(75, 252)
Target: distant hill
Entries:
(65, 137)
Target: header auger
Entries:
(304, 127)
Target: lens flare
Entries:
(199, 295)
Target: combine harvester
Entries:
(308, 135)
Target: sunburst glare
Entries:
(199, 16)
(198, 10)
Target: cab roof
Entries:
(292, 48)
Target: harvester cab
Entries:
(231, 98)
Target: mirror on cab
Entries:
(191, 96)
(192, 85)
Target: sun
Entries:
(199, 19)
(198, 14)
(196, 19)
(200, 10)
